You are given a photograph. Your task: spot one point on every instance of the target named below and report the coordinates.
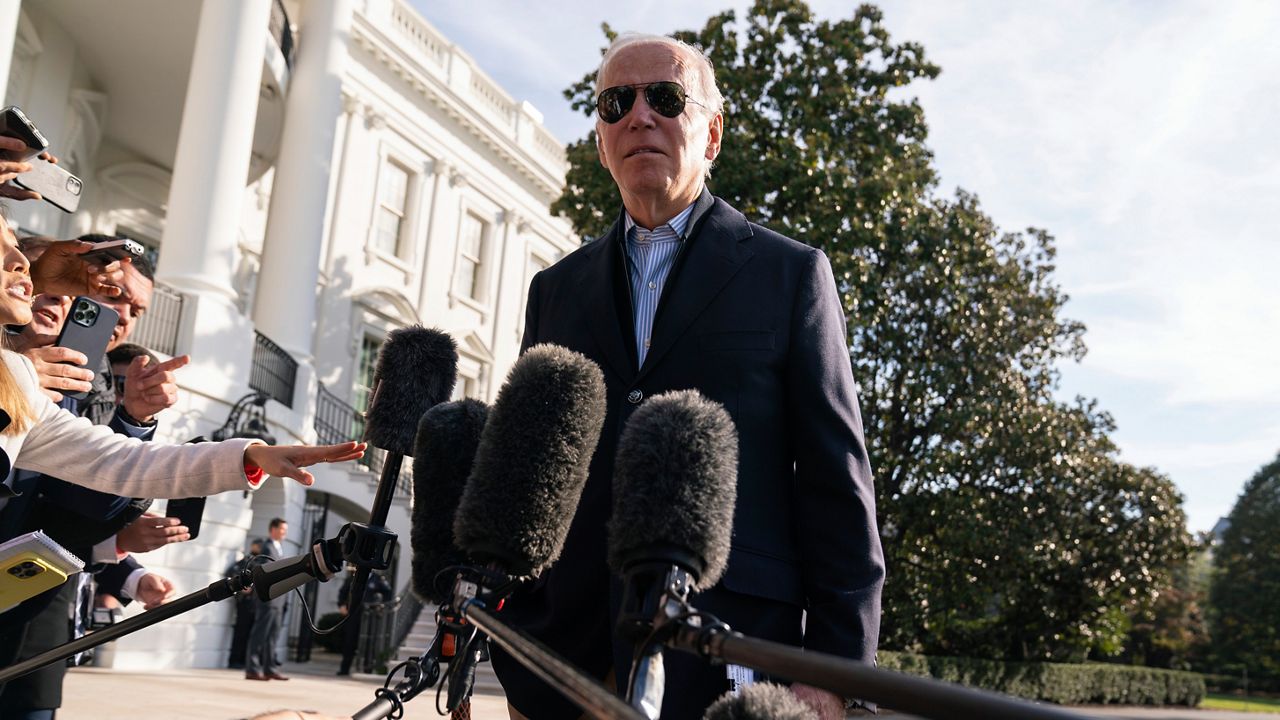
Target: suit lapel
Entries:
(599, 297)
(714, 255)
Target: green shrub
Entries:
(1060, 683)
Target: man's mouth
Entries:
(644, 150)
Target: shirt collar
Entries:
(678, 224)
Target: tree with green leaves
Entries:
(1244, 594)
(1011, 529)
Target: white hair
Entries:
(708, 94)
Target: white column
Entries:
(210, 169)
(9, 11)
(285, 308)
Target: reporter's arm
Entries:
(93, 456)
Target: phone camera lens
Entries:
(73, 186)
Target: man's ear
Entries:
(599, 150)
(715, 131)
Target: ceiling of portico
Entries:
(139, 53)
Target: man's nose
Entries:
(641, 114)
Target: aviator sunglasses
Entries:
(666, 98)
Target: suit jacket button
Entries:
(634, 397)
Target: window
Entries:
(467, 278)
(393, 201)
(362, 389)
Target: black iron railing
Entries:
(278, 28)
(274, 371)
(406, 615)
(338, 422)
(158, 328)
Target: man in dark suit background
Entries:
(683, 292)
(260, 655)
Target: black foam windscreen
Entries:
(443, 455)
(674, 486)
(533, 460)
(760, 701)
(416, 370)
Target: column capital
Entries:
(373, 119)
(351, 105)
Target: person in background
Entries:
(376, 590)
(260, 656)
(246, 609)
(100, 527)
(39, 436)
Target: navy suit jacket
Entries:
(752, 320)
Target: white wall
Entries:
(460, 164)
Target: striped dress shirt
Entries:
(650, 255)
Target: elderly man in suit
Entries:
(684, 292)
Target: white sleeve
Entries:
(129, 590)
(74, 449)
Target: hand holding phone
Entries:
(151, 532)
(60, 370)
(15, 124)
(88, 329)
(52, 183)
(104, 253)
(189, 512)
(62, 270)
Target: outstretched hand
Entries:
(61, 271)
(289, 460)
(10, 169)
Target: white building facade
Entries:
(310, 175)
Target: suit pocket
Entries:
(738, 340)
(751, 573)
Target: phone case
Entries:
(115, 250)
(55, 185)
(26, 576)
(31, 564)
(88, 329)
(14, 123)
(189, 510)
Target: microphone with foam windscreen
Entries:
(443, 455)
(760, 701)
(530, 469)
(415, 371)
(674, 486)
(532, 463)
(673, 497)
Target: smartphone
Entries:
(56, 186)
(189, 511)
(15, 123)
(31, 564)
(118, 249)
(88, 329)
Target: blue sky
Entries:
(1142, 135)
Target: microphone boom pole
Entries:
(550, 667)
(218, 590)
(919, 696)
